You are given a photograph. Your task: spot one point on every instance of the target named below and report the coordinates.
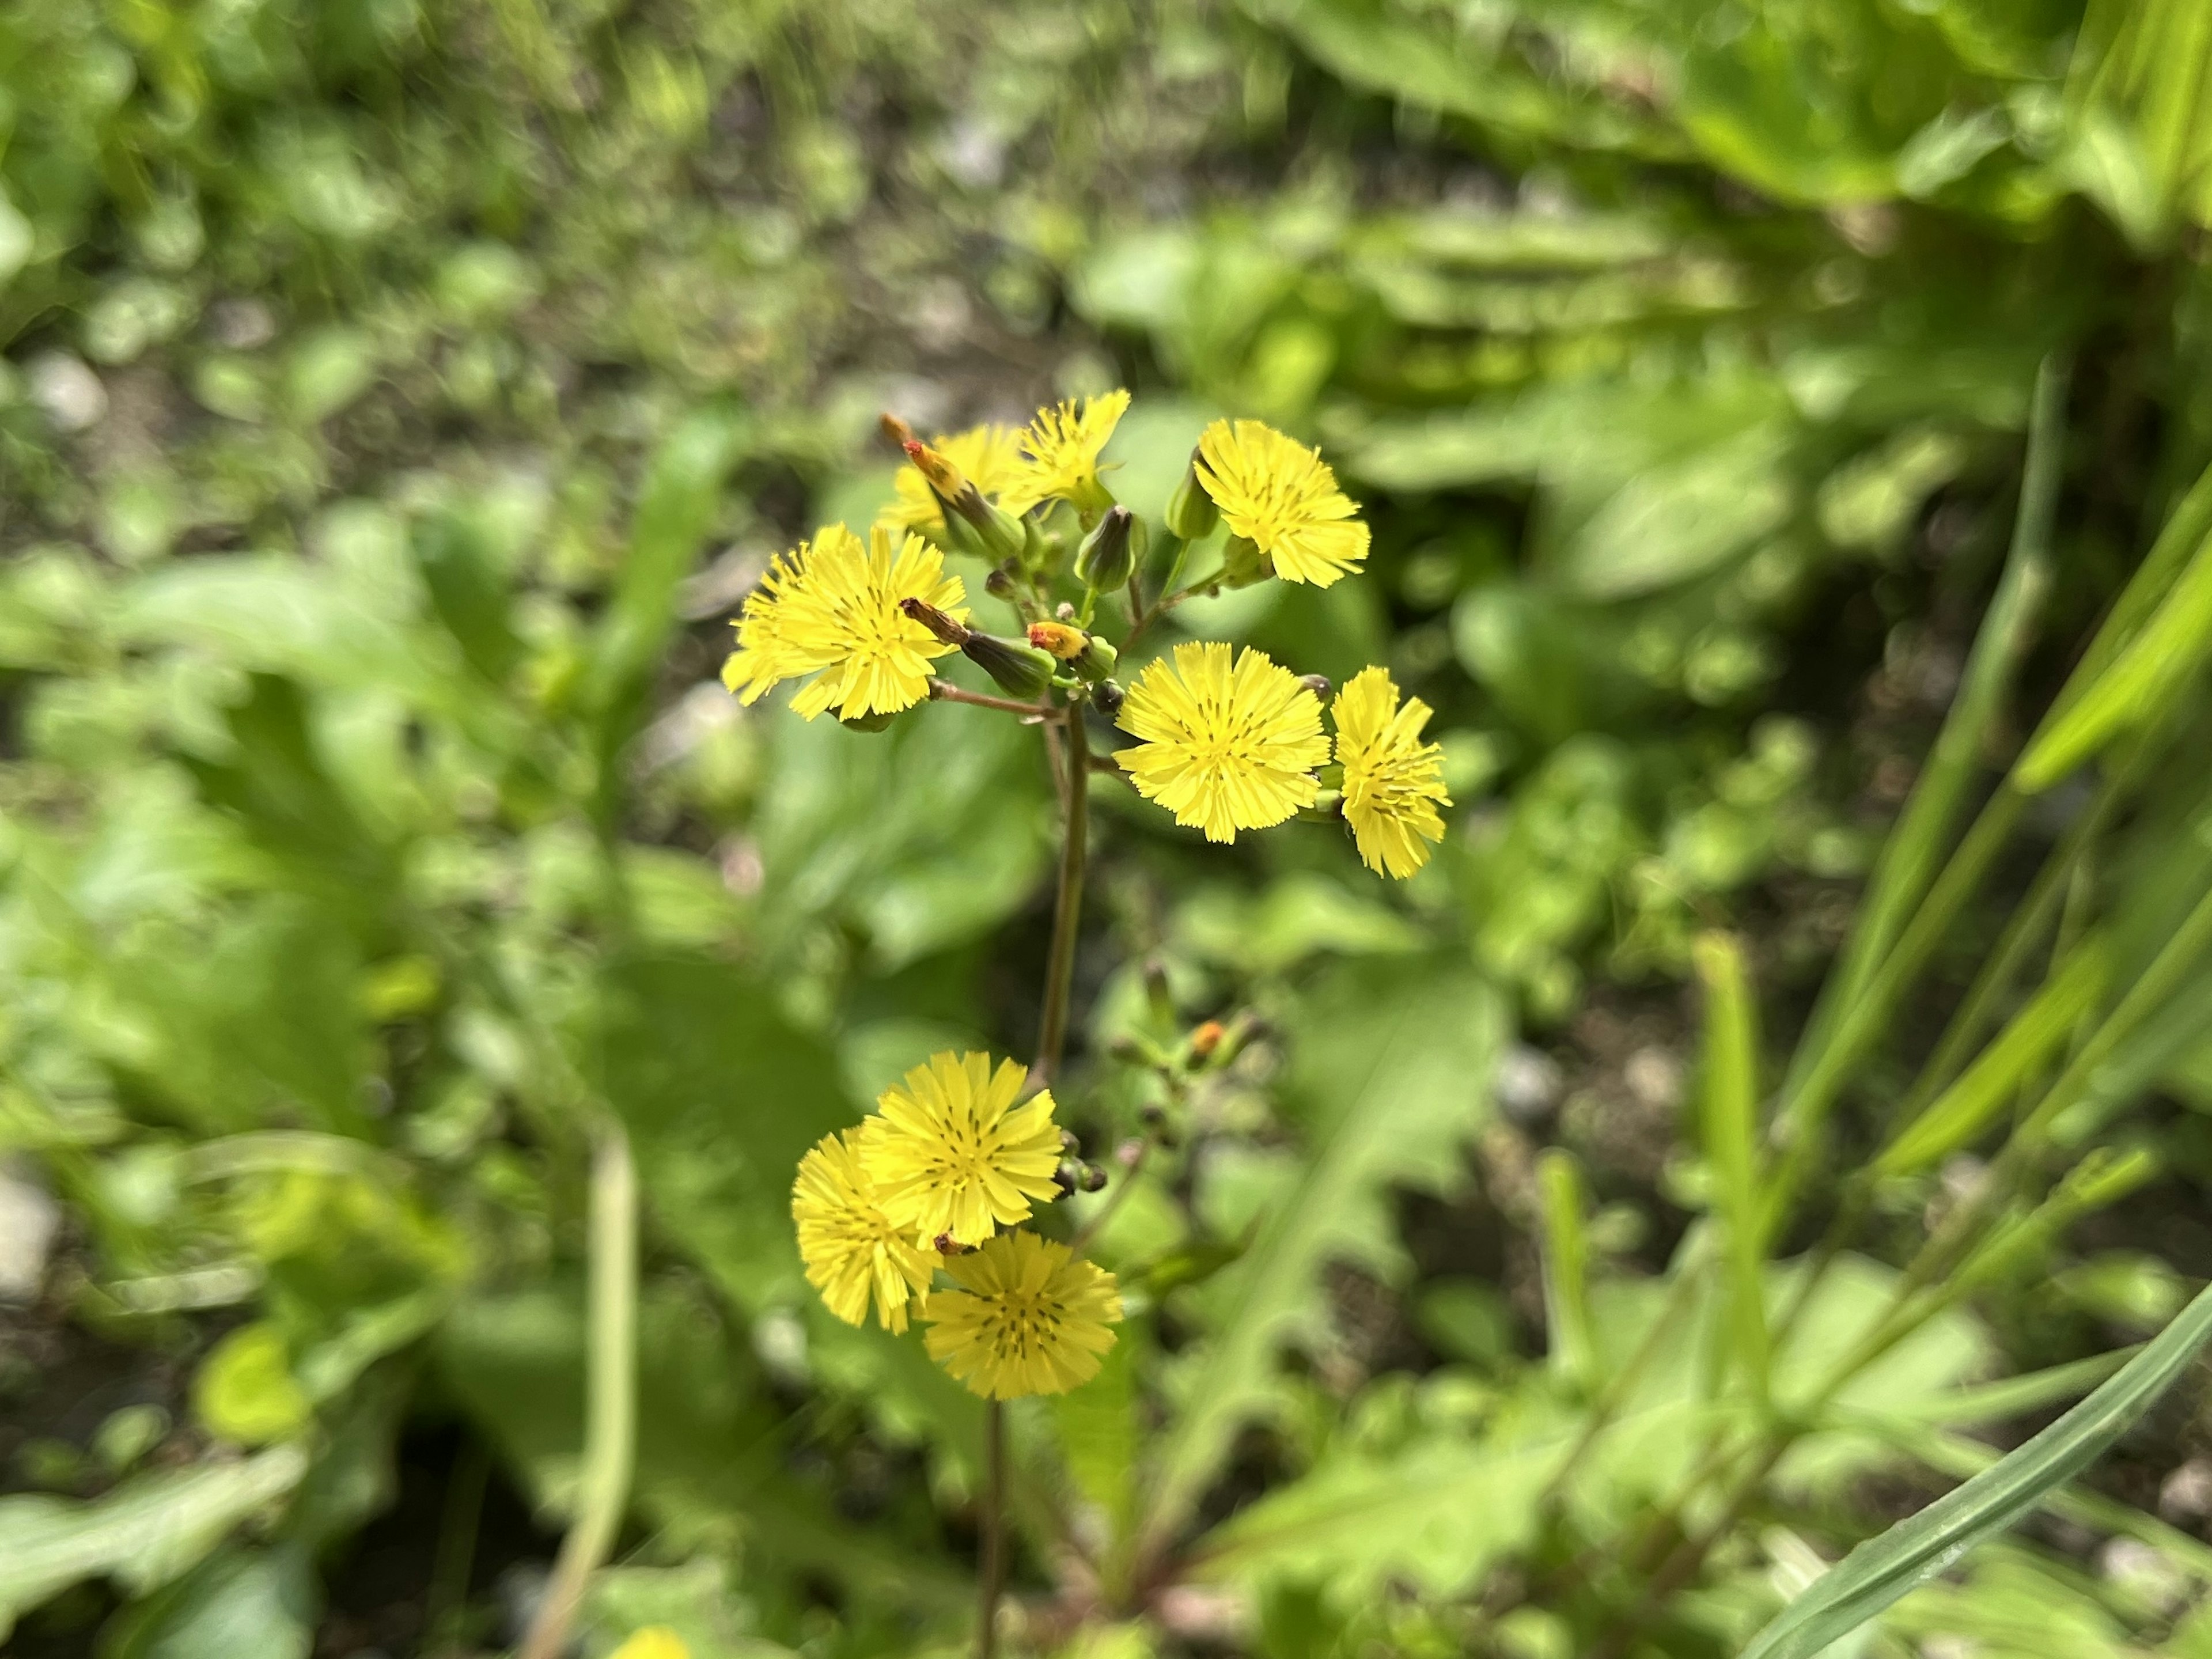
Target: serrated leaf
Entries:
(1390, 1076)
(1879, 1571)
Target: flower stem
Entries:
(1067, 905)
(994, 1566)
(610, 1393)
(941, 691)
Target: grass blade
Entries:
(1566, 1267)
(2159, 630)
(1879, 1571)
(2037, 1032)
(1729, 1108)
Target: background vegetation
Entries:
(399, 397)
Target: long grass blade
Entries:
(1879, 1571)
(1566, 1267)
(1729, 1111)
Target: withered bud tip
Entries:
(947, 630)
(895, 430)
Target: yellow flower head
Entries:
(1028, 1318)
(1060, 451)
(1280, 496)
(849, 1247)
(986, 456)
(654, 1642)
(1225, 748)
(1392, 783)
(952, 1154)
(832, 610)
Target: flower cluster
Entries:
(1226, 740)
(939, 1179)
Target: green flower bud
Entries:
(1109, 555)
(1191, 511)
(1243, 563)
(1019, 668)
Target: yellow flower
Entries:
(849, 1247)
(1028, 1318)
(832, 610)
(1280, 496)
(952, 1154)
(986, 455)
(1225, 748)
(1392, 783)
(1060, 455)
(654, 1642)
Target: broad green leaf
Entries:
(1389, 1076)
(145, 1532)
(1728, 1101)
(1878, 1572)
(1435, 1516)
(261, 1602)
(245, 1390)
(2036, 1033)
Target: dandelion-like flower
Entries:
(953, 1155)
(1392, 781)
(1028, 1318)
(1224, 747)
(1060, 451)
(986, 456)
(1281, 496)
(850, 1247)
(832, 610)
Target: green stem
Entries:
(1067, 904)
(992, 1569)
(610, 1394)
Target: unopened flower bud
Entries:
(1002, 538)
(897, 430)
(1068, 1178)
(1155, 1121)
(1093, 1178)
(1191, 512)
(949, 630)
(1019, 669)
(1243, 563)
(1159, 993)
(1205, 1039)
(1107, 557)
(1068, 1143)
(1128, 1051)
(1108, 698)
(999, 584)
(1316, 683)
(1063, 640)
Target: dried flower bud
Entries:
(946, 479)
(1107, 557)
(949, 630)
(1316, 683)
(897, 430)
(1205, 1039)
(1191, 512)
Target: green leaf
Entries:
(1566, 1269)
(145, 1532)
(245, 1390)
(2036, 1033)
(468, 589)
(260, 1602)
(1729, 1100)
(1388, 1078)
(1910, 1553)
(2142, 679)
